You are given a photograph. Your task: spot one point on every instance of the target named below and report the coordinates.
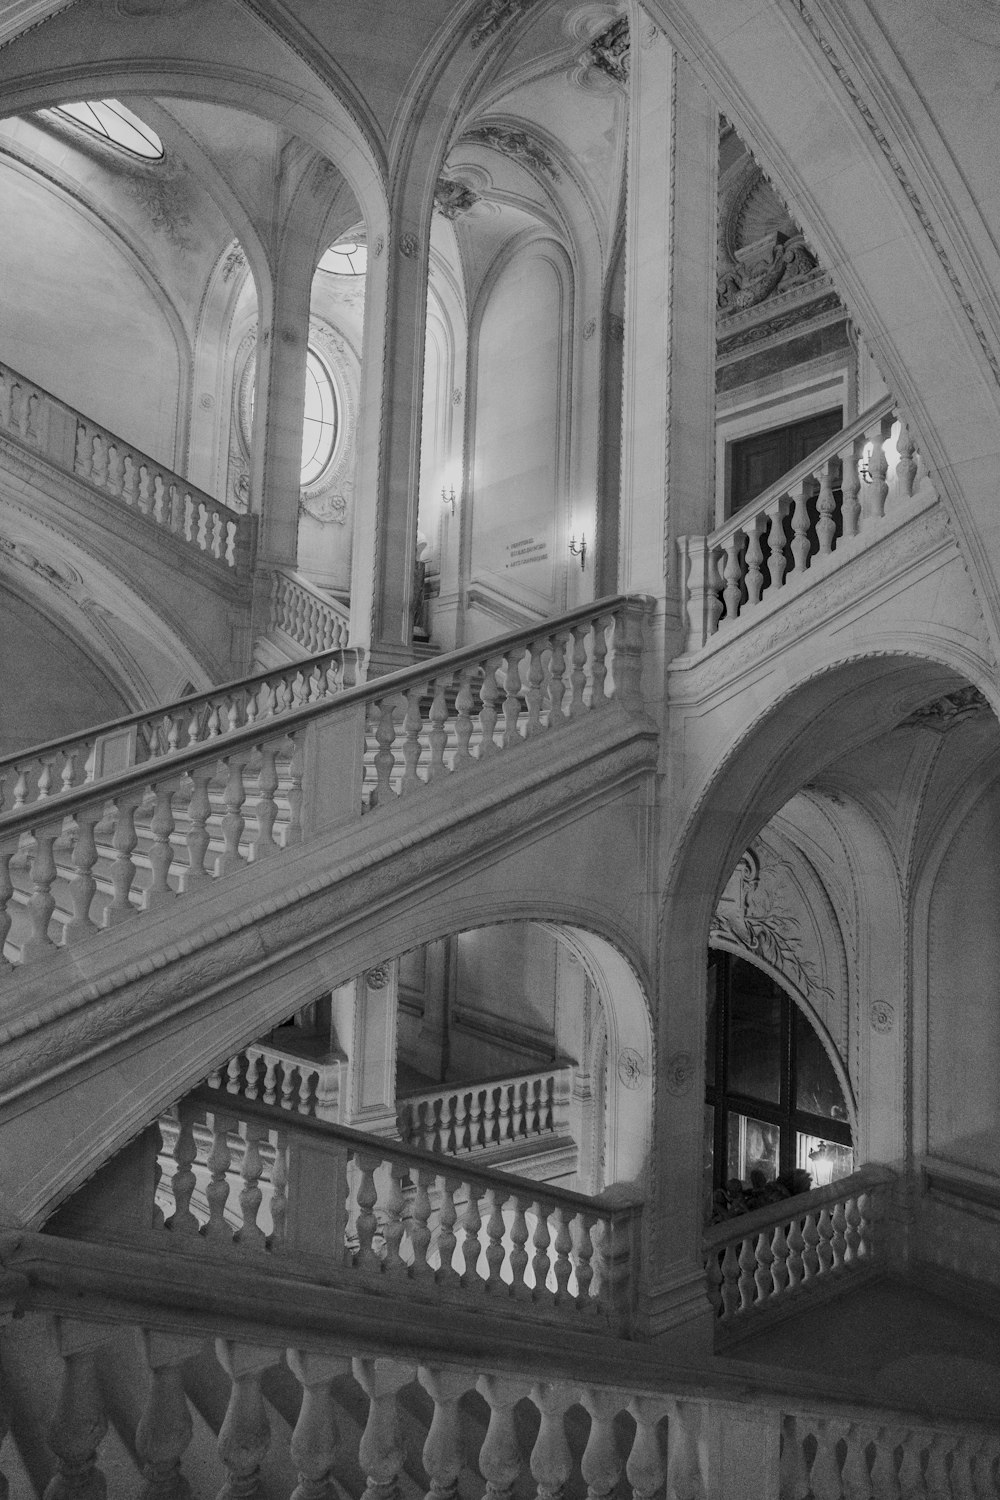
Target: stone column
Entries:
(364, 1014)
(668, 377)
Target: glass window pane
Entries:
(816, 1088)
(709, 1160)
(825, 1161)
(752, 1146)
(754, 1039)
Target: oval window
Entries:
(319, 418)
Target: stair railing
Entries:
(446, 1405)
(846, 492)
(313, 620)
(124, 475)
(69, 863)
(757, 1264)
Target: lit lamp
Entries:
(822, 1159)
(579, 549)
(448, 497)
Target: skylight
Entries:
(346, 259)
(113, 122)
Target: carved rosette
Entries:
(679, 1073)
(377, 977)
(883, 1016)
(630, 1068)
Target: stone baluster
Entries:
(245, 1434)
(541, 1261)
(79, 1422)
(489, 712)
(183, 1181)
(366, 1257)
(412, 725)
(464, 704)
(315, 1437)
(713, 1280)
(500, 1458)
(164, 1428)
(220, 1158)
(906, 469)
(505, 1130)
(82, 885)
(599, 651)
(866, 1225)
(294, 773)
(267, 807)
(601, 1464)
(730, 1289)
(777, 562)
(801, 525)
(824, 1249)
(447, 1240)
(419, 1228)
(394, 1224)
(732, 572)
(512, 697)
(557, 680)
(234, 1074)
(380, 1451)
(748, 1268)
(646, 1467)
(123, 867)
(442, 1453)
(288, 1078)
(161, 852)
(936, 1476)
(779, 1261)
(471, 1224)
(754, 580)
(562, 1244)
(912, 1483)
(583, 1254)
(233, 821)
(551, 1462)
(796, 1248)
(8, 849)
(383, 711)
(685, 1477)
(850, 482)
(764, 1258)
(855, 1476)
(41, 902)
(852, 1232)
(880, 466)
(518, 1259)
(437, 718)
(810, 1253)
(495, 1254)
(198, 838)
(794, 1471)
(533, 694)
(838, 1236)
(824, 1474)
(279, 1193)
(251, 1236)
(885, 1477)
(826, 506)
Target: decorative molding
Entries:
(516, 144)
(630, 1068)
(764, 926)
(884, 145)
(495, 16)
(453, 197)
(678, 1074)
(883, 1016)
(801, 307)
(775, 260)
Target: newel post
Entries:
(702, 585)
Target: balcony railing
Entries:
(847, 493)
(766, 1261)
(485, 1116)
(123, 475)
(75, 859)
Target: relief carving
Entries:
(609, 51)
(453, 197)
(761, 921)
(495, 15)
(517, 144)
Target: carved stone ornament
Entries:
(235, 261)
(453, 197)
(883, 1016)
(630, 1068)
(949, 710)
(609, 51)
(456, 397)
(679, 1073)
(761, 248)
(324, 507)
(590, 328)
(378, 246)
(408, 245)
(762, 924)
(377, 977)
(494, 16)
(517, 144)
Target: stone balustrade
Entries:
(218, 1403)
(845, 494)
(376, 1212)
(485, 1116)
(284, 1079)
(759, 1262)
(75, 859)
(123, 475)
(48, 771)
(314, 621)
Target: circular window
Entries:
(319, 417)
(346, 259)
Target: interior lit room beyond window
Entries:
(113, 122)
(345, 259)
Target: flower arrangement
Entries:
(758, 1192)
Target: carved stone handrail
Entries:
(459, 1118)
(758, 1262)
(31, 777)
(92, 856)
(845, 492)
(372, 1210)
(312, 619)
(123, 475)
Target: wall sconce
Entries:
(579, 549)
(448, 497)
(865, 463)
